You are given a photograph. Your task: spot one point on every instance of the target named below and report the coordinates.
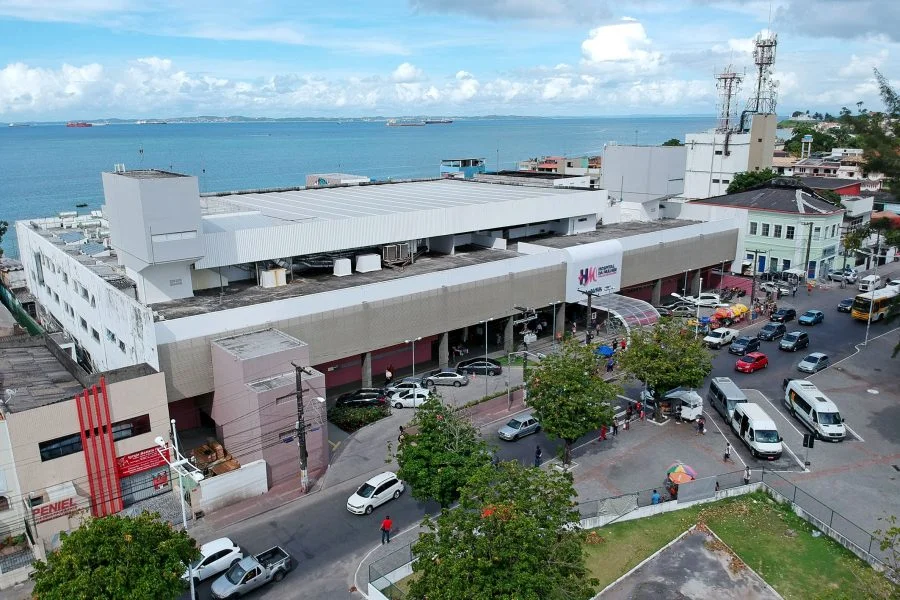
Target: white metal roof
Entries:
(373, 200)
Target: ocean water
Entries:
(45, 169)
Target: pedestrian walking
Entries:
(537, 456)
(615, 425)
(623, 343)
(655, 498)
(717, 485)
(793, 291)
(602, 437)
(610, 365)
(629, 412)
(642, 415)
(615, 343)
(747, 474)
(389, 375)
(574, 329)
(727, 456)
(386, 526)
(809, 288)
(700, 426)
(400, 437)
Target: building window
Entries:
(39, 268)
(789, 232)
(833, 230)
(110, 336)
(754, 226)
(4, 503)
(83, 323)
(95, 334)
(59, 447)
(121, 345)
(84, 293)
(715, 181)
(718, 153)
(777, 231)
(65, 277)
(785, 264)
(93, 302)
(765, 230)
(130, 427)
(817, 233)
(726, 181)
(56, 297)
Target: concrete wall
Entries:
(710, 166)
(640, 173)
(220, 491)
(370, 317)
(762, 142)
(12, 519)
(709, 213)
(105, 309)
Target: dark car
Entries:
(783, 315)
(794, 341)
(744, 345)
(772, 331)
(845, 305)
(480, 366)
(363, 397)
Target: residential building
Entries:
(715, 157)
(643, 174)
(841, 163)
(563, 165)
(338, 278)
(464, 168)
(842, 187)
(788, 226)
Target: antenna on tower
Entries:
(728, 83)
(764, 58)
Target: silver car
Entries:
(447, 377)
(813, 363)
(519, 427)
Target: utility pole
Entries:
(808, 246)
(753, 285)
(301, 427)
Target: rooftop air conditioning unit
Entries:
(395, 252)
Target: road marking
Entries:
(786, 418)
(856, 435)
(733, 449)
(366, 557)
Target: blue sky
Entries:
(68, 59)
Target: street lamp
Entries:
(697, 326)
(486, 321)
(871, 292)
(524, 354)
(418, 339)
(179, 466)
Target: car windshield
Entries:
(809, 313)
(830, 418)
(742, 341)
(767, 436)
(716, 334)
(770, 328)
(747, 359)
(812, 358)
(365, 490)
(235, 573)
(514, 424)
(791, 337)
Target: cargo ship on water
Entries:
(405, 123)
(438, 121)
(79, 124)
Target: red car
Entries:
(752, 361)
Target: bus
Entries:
(880, 302)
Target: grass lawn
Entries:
(798, 566)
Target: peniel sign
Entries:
(53, 510)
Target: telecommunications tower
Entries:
(728, 84)
(764, 56)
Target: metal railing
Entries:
(384, 566)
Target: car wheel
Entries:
(278, 576)
(398, 405)
(369, 509)
(197, 579)
(456, 384)
(396, 494)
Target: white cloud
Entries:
(622, 44)
(407, 73)
(861, 66)
(466, 87)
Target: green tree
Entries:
(117, 558)
(749, 179)
(672, 142)
(666, 356)
(568, 394)
(831, 196)
(4, 226)
(509, 539)
(821, 141)
(441, 455)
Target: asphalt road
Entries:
(328, 542)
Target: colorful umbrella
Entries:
(680, 478)
(681, 468)
(605, 351)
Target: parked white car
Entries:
(705, 299)
(374, 493)
(215, 557)
(720, 337)
(411, 398)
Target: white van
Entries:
(723, 395)
(815, 410)
(870, 283)
(751, 423)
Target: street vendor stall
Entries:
(677, 474)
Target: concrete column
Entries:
(366, 370)
(657, 290)
(465, 335)
(695, 283)
(508, 340)
(560, 319)
(444, 350)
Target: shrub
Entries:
(351, 418)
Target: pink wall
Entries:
(349, 370)
(185, 413)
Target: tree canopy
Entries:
(117, 558)
(666, 356)
(509, 539)
(821, 141)
(672, 142)
(568, 394)
(749, 179)
(444, 451)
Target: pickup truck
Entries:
(252, 572)
(720, 337)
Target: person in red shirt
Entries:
(386, 526)
(623, 343)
